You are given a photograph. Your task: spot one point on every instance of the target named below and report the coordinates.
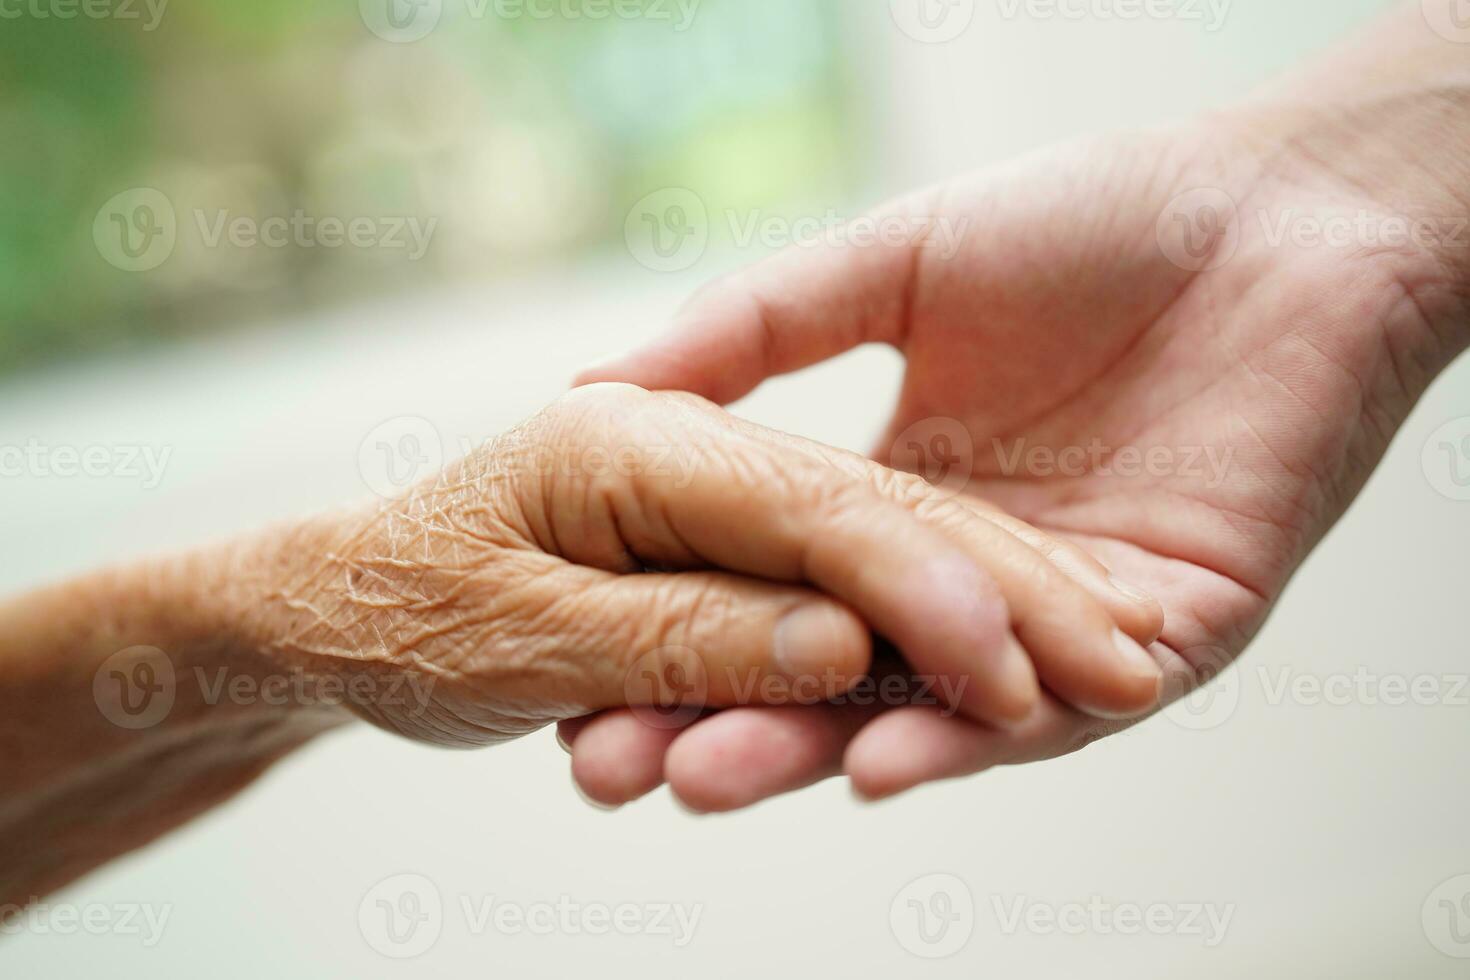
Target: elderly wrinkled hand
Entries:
(626, 547)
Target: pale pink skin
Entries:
(1063, 320)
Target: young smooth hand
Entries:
(1183, 352)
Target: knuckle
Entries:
(596, 403)
(907, 488)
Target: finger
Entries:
(739, 757)
(1135, 612)
(913, 745)
(688, 640)
(616, 758)
(751, 507)
(1079, 652)
(568, 729)
(794, 310)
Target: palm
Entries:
(1088, 329)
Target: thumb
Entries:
(683, 642)
(798, 308)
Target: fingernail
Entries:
(1136, 657)
(565, 745)
(1131, 591)
(806, 640)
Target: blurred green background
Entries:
(512, 139)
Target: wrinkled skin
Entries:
(626, 547)
(1063, 321)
